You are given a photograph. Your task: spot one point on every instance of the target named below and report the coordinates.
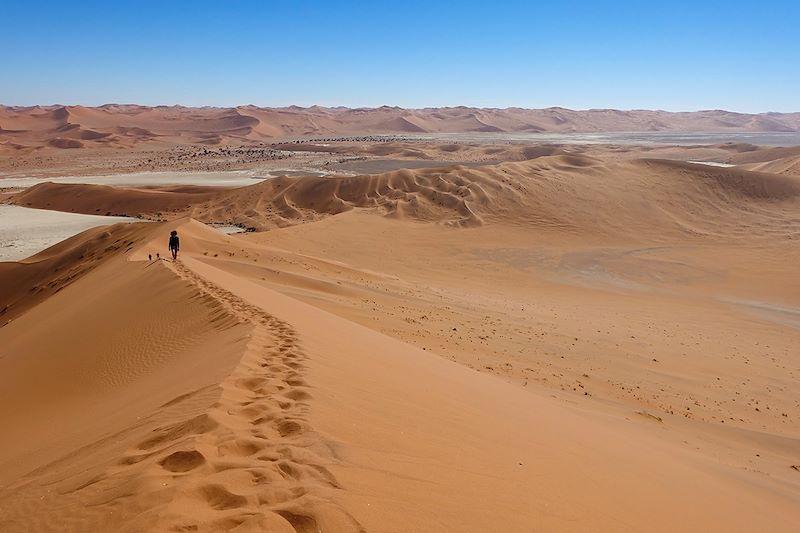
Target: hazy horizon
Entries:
(451, 106)
(577, 55)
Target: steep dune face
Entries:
(33, 118)
(58, 142)
(25, 284)
(104, 199)
(733, 183)
(66, 127)
(165, 120)
(786, 165)
(531, 459)
(401, 124)
(444, 196)
(104, 386)
(152, 396)
(629, 200)
(773, 160)
(144, 398)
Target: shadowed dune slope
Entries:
(632, 199)
(107, 200)
(23, 284)
(781, 160)
(123, 125)
(787, 165)
(719, 184)
(430, 195)
(33, 118)
(629, 200)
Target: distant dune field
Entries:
(112, 139)
(121, 126)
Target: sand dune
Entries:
(787, 165)
(635, 199)
(131, 125)
(401, 124)
(122, 126)
(122, 139)
(29, 282)
(631, 200)
(566, 343)
(33, 118)
(192, 396)
(773, 160)
(104, 199)
(84, 409)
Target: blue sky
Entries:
(678, 55)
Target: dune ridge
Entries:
(38, 277)
(108, 200)
(633, 200)
(198, 450)
(625, 200)
(789, 165)
(229, 406)
(129, 125)
(503, 347)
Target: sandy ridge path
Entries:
(267, 462)
(424, 444)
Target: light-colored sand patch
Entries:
(711, 163)
(232, 178)
(25, 231)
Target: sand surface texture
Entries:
(78, 141)
(568, 343)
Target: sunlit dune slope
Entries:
(575, 195)
(90, 374)
(158, 396)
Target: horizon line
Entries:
(387, 106)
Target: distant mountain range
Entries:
(128, 125)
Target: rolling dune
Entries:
(129, 125)
(580, 195)
(627, 200)
(788, 165)
(104, 199)
(148, 395)
(504, 347)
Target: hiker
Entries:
(174, 244)
(149, 257)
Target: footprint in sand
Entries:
(220, 498)
(182, 461)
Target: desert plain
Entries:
(447, 319)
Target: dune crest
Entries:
(239, 412)
(129, 125)
(29, 282)
(192, 396)
(626, 200)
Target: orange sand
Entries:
(564, 344)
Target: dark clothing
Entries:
(174, 242)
